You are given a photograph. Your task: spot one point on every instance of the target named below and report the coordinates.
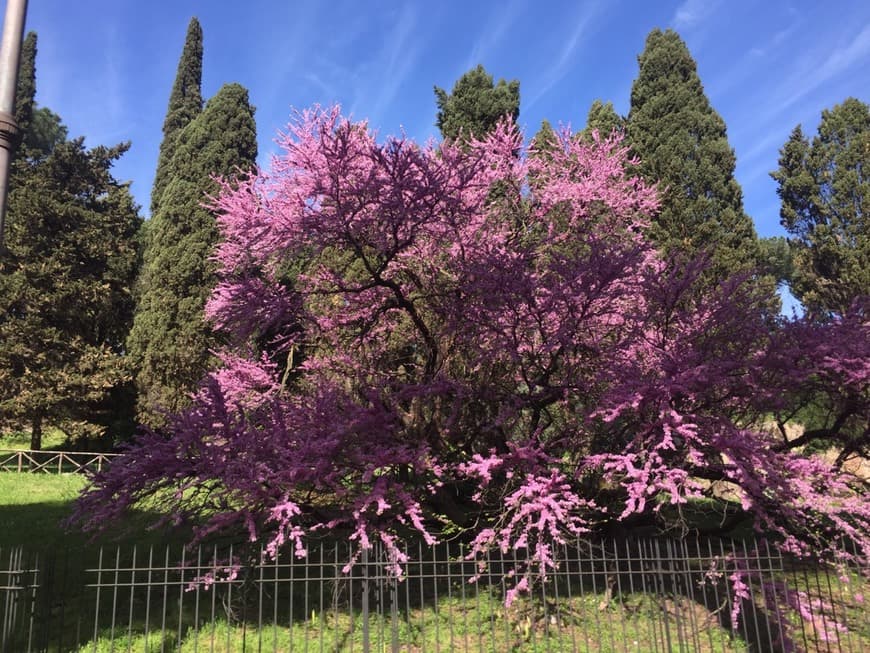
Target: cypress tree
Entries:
(170, 340)
(825, 195)
(603, 117)
(682, 144)
(185, 104)
(25, 92)
(40, 128)
(476, 104)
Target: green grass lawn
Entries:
(52, 439)
(32, 507)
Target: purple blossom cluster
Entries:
(481, 335)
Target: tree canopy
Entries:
(682, 144)
(170, 341)
(403, 355)
(185, 104)
(65, 302)
(825, 195)
(476, 104)
(603, 117)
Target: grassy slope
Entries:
(32, 506)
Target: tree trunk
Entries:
(36, 433)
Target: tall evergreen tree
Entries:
(682, 144)
(65, 303)
(476, 104)
(170, 340)
(825, 193)
(25, 92)
(40, 128)
(185, 104)
(603, 117)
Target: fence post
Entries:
(394, 613)
(366, 644)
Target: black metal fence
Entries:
(636, 595)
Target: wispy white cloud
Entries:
(838, 61)
(504, 18)
(394, 64)
(112, 77)
(693, 12)
(560, 67)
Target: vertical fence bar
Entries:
(148, 595)
(320, 579)
(165, 599)
(196, 588)
(673, 582)
(291, 576)
(814, 632)
(408, 595)
(393, 581)
(42, 570)
(422, 569)
(181, 571)
(348, 556)
(648, 564)
(631, 560)
(582, 583)
(97, 601)
(260, 601)
(685, 555)
(826, 629)
(449, 598)
(366, 642)
(130, 611)
(843, 600)
(767, 566)
(489, 597)
(214, 590)
(617, 571)
(436, 609)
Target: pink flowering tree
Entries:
(420, 337)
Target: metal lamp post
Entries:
(10, 54)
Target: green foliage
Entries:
(185, 104)
(170, 342)
(25, 92)
(65, 304)
(40, 128)
(603, 117)
(476, 104)
(46, 132)
(775, 258)
(682, 144)
(825, 195)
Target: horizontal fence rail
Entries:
(632, 595)
(53, 462)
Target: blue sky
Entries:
(107, 66)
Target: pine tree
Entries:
(185, 104)
(682, 144)
(65, 303)
(825, 197)
(603, 117)
(170, 340)
(476, 104)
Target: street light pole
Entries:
(10, 54)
